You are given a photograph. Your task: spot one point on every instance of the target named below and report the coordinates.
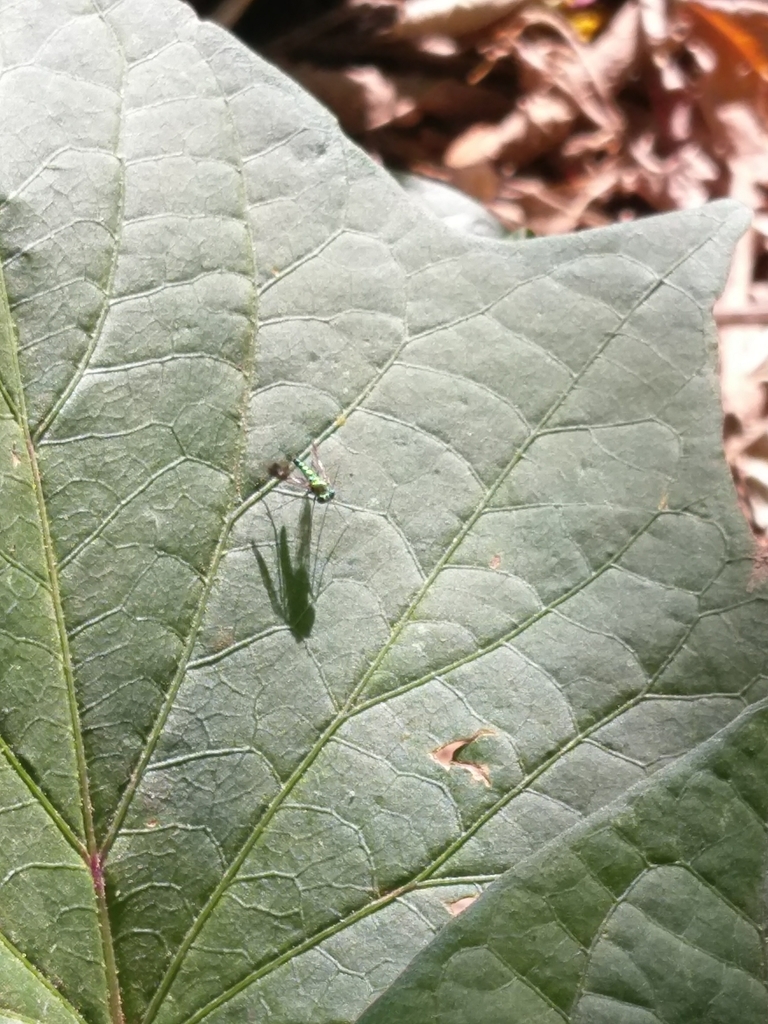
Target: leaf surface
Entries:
(534, 560)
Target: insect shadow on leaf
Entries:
(298, 584)
(290, 594)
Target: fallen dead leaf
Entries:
(450, 17)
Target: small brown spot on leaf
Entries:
(446, 757)
(663, 502)
(459, 906)
(15, 460)
(225, 637)
(279, 470)
(495, 562)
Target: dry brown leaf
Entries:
(565, 67)
(675, 182)
(450, 17)
(563, 81)
(451, 101)
(559, 209)
(437, 45)
(480, 181)
(743, 26)
(539, 121)
(613, 57)
(654, 22)
(420, 151)
(362, 98)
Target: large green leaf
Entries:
(649, 912)
(251, 789)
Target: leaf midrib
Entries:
(89, 852)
